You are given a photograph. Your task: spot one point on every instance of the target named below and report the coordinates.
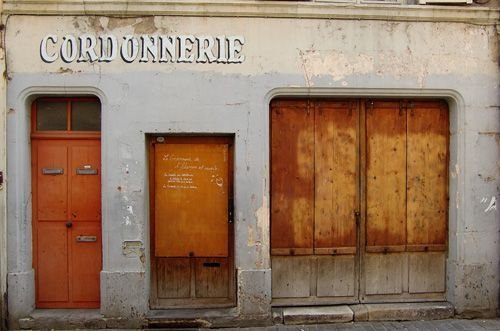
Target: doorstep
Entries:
(412, 311)
(48, 319)
(363, 312)
(194, 318)
(317, 315)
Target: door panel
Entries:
(85, 239)
(427, 272)
(427, 177)
(52, 257)
(85, 181)
(52, 181)
(212, 277)
(291, 276)
(292, 171)
(174, 278)
(384, 273)
(194, 175)
(333, 272)
(336, 189)
(385, 178)
(66, 220)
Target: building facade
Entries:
(213, 162)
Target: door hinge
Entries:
(230, 211)
(1, 179)
(402, 107)
(370, 104)
(352, 106)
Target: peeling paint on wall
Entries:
(262, 218)
(335, 64)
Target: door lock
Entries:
(357, 215)
(69, 224)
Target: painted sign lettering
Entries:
(143, 48)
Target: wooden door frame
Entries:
(154, 301)
(37, 135)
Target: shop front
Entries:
(204, 170)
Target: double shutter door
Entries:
(359, 200)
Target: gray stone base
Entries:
(317, 315)
(48, 319)
(124, 294)
(204, 318)
(21, 296)
(363, 312)
(402, 311)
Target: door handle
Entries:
(69, 224)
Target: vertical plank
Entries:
(384, 273)
(52, 195)
(336, 276)
(291, 276)
(385, 177)
(85, 190)
(173, 277)
(191, 199)
(212, 278)
(427, 272)
(336, 127)
(52, 263)
(427, 175)
(292, 177)
(86, 263)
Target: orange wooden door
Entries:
(66, 222)
(191, 199)
(192, 264)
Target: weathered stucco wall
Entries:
(282, 56)
(3, 194)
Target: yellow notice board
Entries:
(191, 199)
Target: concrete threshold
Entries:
(203, 318)
(363, 312)
(402, 311)
(59, 319)
(317, 315)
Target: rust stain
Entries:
(62, 70)
(143, 25)
(115, 23)
(487, 179)
(95, 23)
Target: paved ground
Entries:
(438, 325)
